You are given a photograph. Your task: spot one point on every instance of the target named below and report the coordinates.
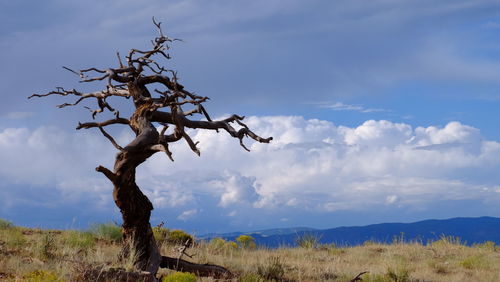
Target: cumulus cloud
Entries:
(236, 189)
(310, 166)
(186, 215)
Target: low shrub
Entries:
(370, 243)
(473, 262)
(107, 231)
(179, 277)
(160, 233)
(274, 269)
(217, 243)
(399, 274)
(5, 224)
(179, 237)
(448, 241)
(246, 242)
(42, 276)
(220, 244)
(13, 237)
(308, 240)
(368, 277)
(488, 245)
(251, 277)
(78, 239)
(438, 267)
(46, 246)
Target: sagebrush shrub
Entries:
(179, 237)
(246, 242)
(179, 277)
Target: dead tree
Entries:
(166, 106)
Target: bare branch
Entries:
(158, 25)
(59, 91)
(92, 69)
(119, 59)
(99, 95)
(68, 69)
(110, 138)
(95, 78)
(213, 125)
(117, 120)
(162, 148)
(108, 173)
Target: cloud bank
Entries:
(312, 167)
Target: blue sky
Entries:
(381, 111)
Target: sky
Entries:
(381, 111)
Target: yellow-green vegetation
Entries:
(246, 242)
(107, 231)
(160, 233)
(5, 224)
(179, 277)
(79, 239)
(179, 237)
(172, 237)
(52, 255)
(42, 276)
(308, 240)
(13, 238)
(220, 245)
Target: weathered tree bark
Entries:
(134, 206)
(139, 243)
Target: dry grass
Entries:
(51, 255)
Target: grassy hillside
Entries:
(54, 255)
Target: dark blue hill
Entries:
(469, 230)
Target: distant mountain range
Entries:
(469, 230)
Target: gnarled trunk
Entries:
(139, 243)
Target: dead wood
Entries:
(132, 80)
(198, 269)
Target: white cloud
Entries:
(236, 189)
(51, 156)
(311, 165)
(391, 199)
(186, 215)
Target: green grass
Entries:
(78, 239)
(107, 231)
(12, 237)
(5, 224)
